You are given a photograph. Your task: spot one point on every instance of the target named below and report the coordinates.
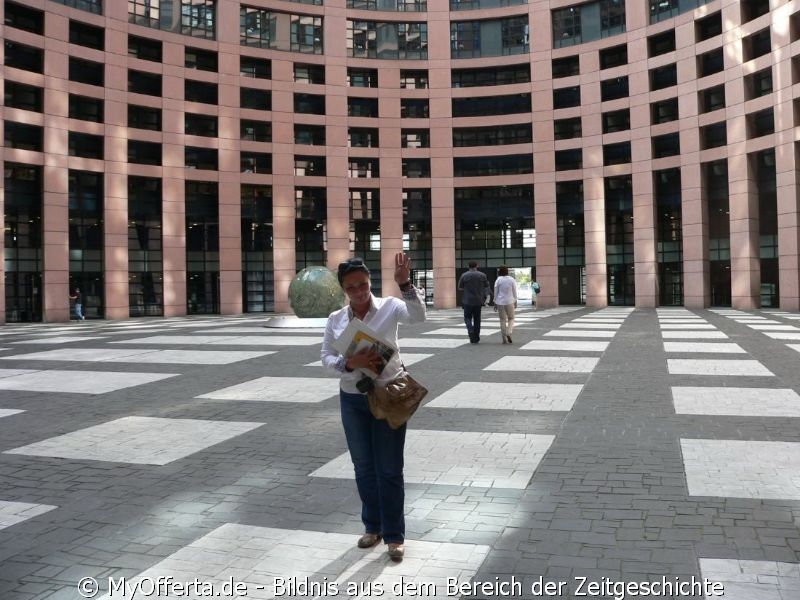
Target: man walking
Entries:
(475, 288)
(78, 304)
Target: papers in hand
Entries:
(357, 337)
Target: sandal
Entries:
(368, 540)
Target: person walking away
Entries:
(375, 448)
(535, 289)
(505, 302)
(475, 288)
(77, 297)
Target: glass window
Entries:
(491, 105)
(662, 43)
(201, 158)
(202, 60)
(415, 138)
(26, 97)
(85, 108)
(615, 56)
(499, 135)
(491, 76)
(617, 120)
(86, 71)
(566, 129)
(202, 125)
(144, 153)
(569, 160)
(666, 145)
(362, 107)
(144, 48)
(713, 136)
(664, 111)
(255, 131)
(93, 6)
(309, 104)
(306, 73)
(708, 27)
(310, 166)
(22, 136)
(712, 99)
(362, 137)
(200, 91)
(86, 35)
(195, 18)
(312, 135)
(480, 166)
(367, 78)
(144, 117)
(141, 82)
(413, 79)
(363, 167)
(26, 58)
(413, 108)
(24, 17)
(255, 98)
(759, 83)
(612, 89)
(567, 97)
(616, 154)
(306, 34)
(566, 67)
(85, 145)
(260, 68)
(663, 77)
(255, 162)
(710, 63)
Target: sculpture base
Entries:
(297, 322)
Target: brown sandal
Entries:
(368, 540)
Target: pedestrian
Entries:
(375, 449)
(475, 288)
(505, 302)
(535, 289)
(77, 297)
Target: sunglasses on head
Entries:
(348, 266)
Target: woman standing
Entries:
(505, 301)
(375, 449)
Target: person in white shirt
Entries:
(375, 449)
(505, 301)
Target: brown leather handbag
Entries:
(398, 400)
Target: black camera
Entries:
(365, 385)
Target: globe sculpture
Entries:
(315, 293)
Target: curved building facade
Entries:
(190, 156)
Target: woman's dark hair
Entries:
(502, 270)
(348, 266)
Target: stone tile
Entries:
(571, 345)
(753, 579)
(461, 331)
(561, 364)
(753, 402)
(783, 335)
(582, 333)
(138, 440)
(774, 327)
(743, 368)
(707, 347)
(279, 389)
(409, 358)
(509, 396)
(586, 325)
(416, 342)
(268, 561)
(187, 357)
(742, 469)
(59, 340)
(78, 382)
(685, 326)
(218, 340)
(461, 458)
(12, 513)
(693, 335)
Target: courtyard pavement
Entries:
(612, 453)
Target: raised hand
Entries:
(402, 268)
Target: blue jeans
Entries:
(377, 454)
(472, 319)
(79, 311)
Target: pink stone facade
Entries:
(782, 21)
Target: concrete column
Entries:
(694, 213)
(594, 223)
(644, 231)
(745, 262)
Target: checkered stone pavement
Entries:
(622, 444)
